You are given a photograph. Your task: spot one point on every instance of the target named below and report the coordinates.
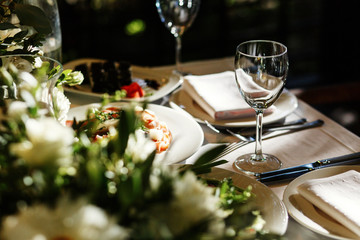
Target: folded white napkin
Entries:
(218, 95)
(338, 196)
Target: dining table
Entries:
(295, 148)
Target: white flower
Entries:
(73, 220)
(38, 62)
(193, 202)
(48, 142)
(61, 105)
(27, 81)
(158, 172)
(22, 64)
(16, 109)
(76, 78)
(139, 147)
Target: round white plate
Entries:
(272, 208)
(172, 81)
(187, 134)
(295, 211)
(285, 105)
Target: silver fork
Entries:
(231, 147)
(290, 128)
(245, 140)
(239, 136)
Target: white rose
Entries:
(139, 147)
(77, 78)
(31, 91)
(48, 142)
(68, 220)
(38, 62)
(194, 202)
(16, 109)
(61, 104)
(22, 64)
(27, 81)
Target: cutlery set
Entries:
(292, 126)
(247, 135)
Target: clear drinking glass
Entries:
(177, 15)
(261, 68)
(52, 46)
(9, 85)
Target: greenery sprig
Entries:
(30, 30)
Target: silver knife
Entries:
(292, 128)
(286, 174)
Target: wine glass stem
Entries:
(258, 144)
(178, 53)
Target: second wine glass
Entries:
(177, 15)
(261, 69)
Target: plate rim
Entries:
(252, 123)
(158, 108)
(291, 187)
(151, 98)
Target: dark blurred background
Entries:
(321, 36)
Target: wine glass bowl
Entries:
(32, 68)
(261, 69)
(177, 15)
(52, 45)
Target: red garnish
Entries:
(133, 90)
(69, 123)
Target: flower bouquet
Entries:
(58, 184)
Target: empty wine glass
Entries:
(177, 15)
(261, 68)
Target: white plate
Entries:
(285, 105)
(295, 211)
(187, 134)
(172, 81)
(272, 208)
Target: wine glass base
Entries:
(248, 164)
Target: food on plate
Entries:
(156, 130)
(107, 76)
(133, 90)
(111, 76)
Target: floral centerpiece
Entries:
(58, 184)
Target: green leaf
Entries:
(209, 155)
(33, 16)
(6, 26)
(206, 168)
(20, 35)
(124, 132)
(137, 186)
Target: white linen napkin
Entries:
(218, 95)
(338, 196)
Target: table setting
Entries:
(331, 139)
(217, 149)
